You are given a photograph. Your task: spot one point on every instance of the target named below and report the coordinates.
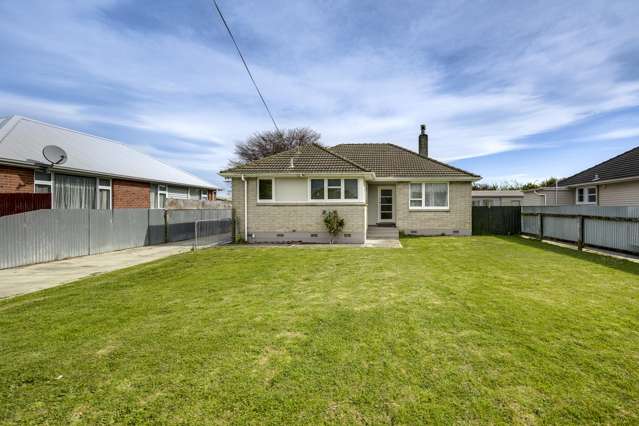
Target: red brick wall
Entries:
(212, 194)
(129, 194)
(16, 179)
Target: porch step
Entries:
(382, 233)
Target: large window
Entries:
(587, 195)
(433, 196)
(334, 189)
(74, 192)
(265, 189)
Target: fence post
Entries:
(540, 218)
(580, 233)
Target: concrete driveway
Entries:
(27, 279)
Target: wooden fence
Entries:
(504, 220)
(14, 203)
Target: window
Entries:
(476, 203)
(104, 194)
(194, 194)
(334, 189)
(428, 196)
(204, 194)
(317, 189)
(487, 203)
(163, 193)
(42, 182)
(350, 189)
(587, 195)
(265, 189)
(416, 195)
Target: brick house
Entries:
(98, 174)
(373, 186)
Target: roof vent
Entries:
(596, 177)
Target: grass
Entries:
(466, 330)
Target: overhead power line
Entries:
(228, 29)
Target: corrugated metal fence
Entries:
(46, 235)
(615, 228)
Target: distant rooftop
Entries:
(497, 193)
(22, 140)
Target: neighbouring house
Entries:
(548, 196)
(614, 182)
(281, 198)
(497, 198)
(99, 173)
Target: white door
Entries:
(386, 204)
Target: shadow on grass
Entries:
(603, 260)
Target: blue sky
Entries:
(508, 90)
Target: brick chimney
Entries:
(423, 142)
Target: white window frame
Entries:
(257, 190)
(158, 192)
(204, 194)
(585, 189)
(342, 191)
(48, 183)
(423, 198)
(98, 187)
(37, 182)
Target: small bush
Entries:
(334, 224)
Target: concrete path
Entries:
(27, 279)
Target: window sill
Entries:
(429, 209)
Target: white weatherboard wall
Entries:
(619, 194)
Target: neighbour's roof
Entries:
(389, 160)
(547, 188)
(497, 193)
(311, 158)
(625, 165)
(22, 140)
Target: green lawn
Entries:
(469, 330)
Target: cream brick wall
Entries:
(457, 218)
(290, 218)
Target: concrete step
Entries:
(382, 233)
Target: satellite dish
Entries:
(54, 155)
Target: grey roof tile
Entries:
(625, 165)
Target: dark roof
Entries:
(389, 160)
(310, 158)
(624, 165)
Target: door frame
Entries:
(379, 204)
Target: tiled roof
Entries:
(625, 165)
(389, 160)
(305, 159)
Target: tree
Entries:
(514, 185)
(263, 144)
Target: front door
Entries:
(386, 204)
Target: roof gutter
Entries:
(543, 195)
(603, 182)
